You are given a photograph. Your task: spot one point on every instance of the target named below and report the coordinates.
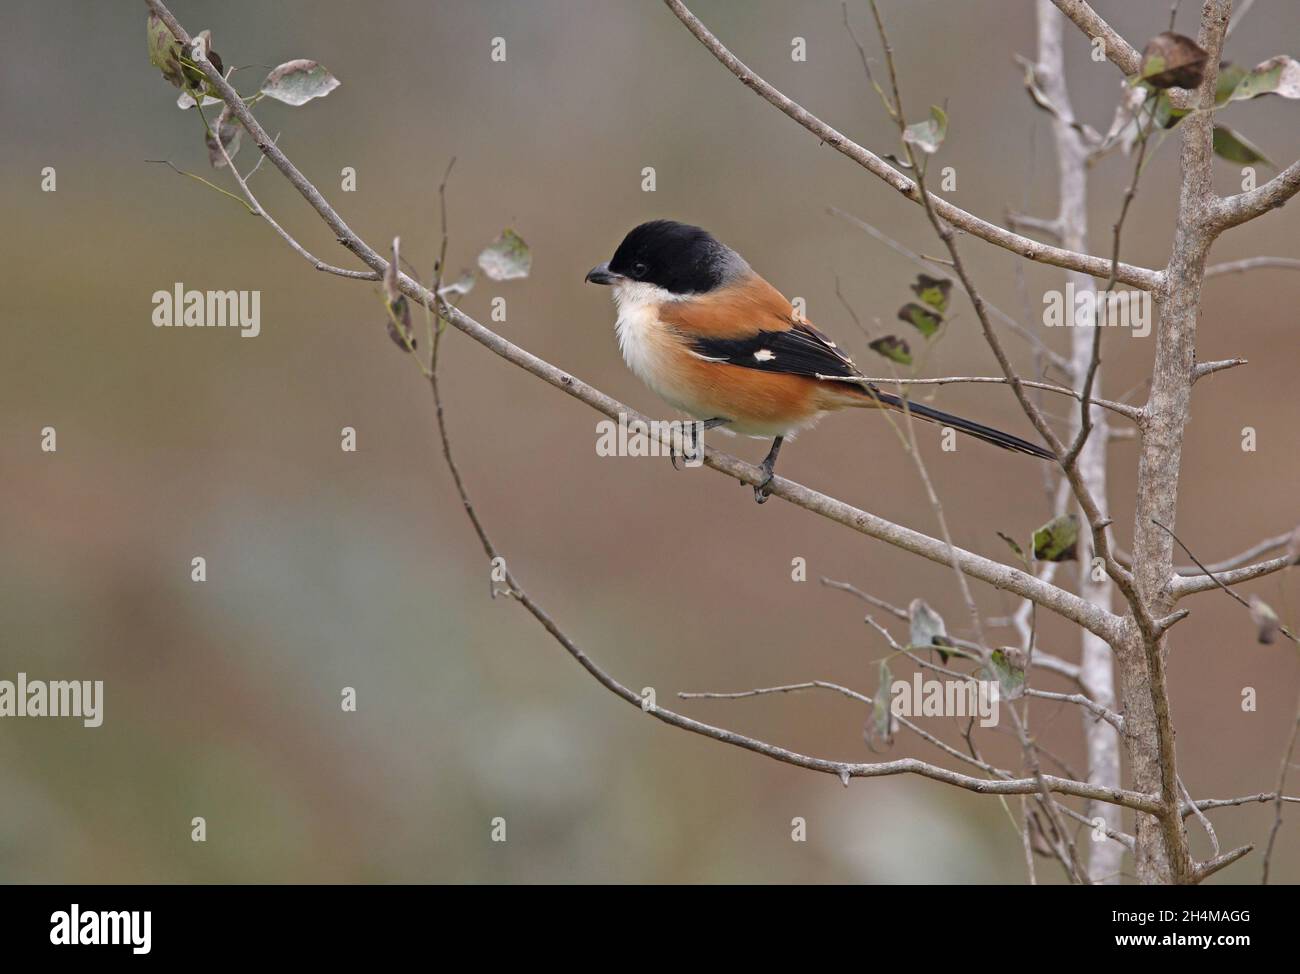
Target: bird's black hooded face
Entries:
(677, 257)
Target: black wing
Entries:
(801, 350)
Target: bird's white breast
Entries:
(643, 340)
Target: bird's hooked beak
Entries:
(601, 274)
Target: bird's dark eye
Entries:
(639, 270)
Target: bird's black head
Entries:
(677, 257)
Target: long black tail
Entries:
(986, 433)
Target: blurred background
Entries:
(329, 569)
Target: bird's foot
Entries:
(707, 424)
(767, 467)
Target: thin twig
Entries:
(1278, 800)
(1260, 799)
(895, 611)
(1218, 580)
(1201, 817)
(1041, 659)
(1209, 368)
(1251, 264)
(1124, 409)
(1237, 560)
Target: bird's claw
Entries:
(760, 491)
(697, 441)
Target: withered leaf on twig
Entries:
(1235, 147)
(927, 629)
(1277, 76)
(1058, 539)
(1173, 61)
(933, 291)
(883, 725)
(506, 258)
(929, 134)
(164, 50)
(201, 48)
(399, 309)
(1266, 620)
(893, 348)
(1008, 666)
(921, 318)
(228, 130)
(298, 82)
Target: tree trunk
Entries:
(1096, 665)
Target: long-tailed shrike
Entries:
(717, 341)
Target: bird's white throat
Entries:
(640, 336)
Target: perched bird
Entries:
(714, 339)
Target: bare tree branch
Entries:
(1201, 817)
(1236, 561)
(1184, 585)
(1139, 277)
(1094, 708)
(1153, 762)
(1260, 799)
(1203, 369)
(1251, 264)
(1121, 837)
(1097, 665)
(1207, 869)
(1118, 51)
(1232, 211)
(894, 610)
(1192, 584)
